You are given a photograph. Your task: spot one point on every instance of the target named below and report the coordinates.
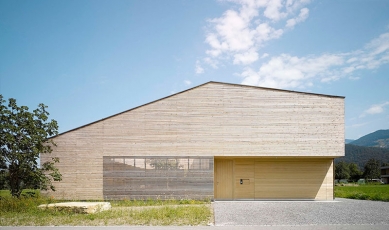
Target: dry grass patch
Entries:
(25, 212)
(162, 215)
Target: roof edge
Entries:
(275, 89)
(209, 82)
(136, 107)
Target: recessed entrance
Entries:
(267, 178)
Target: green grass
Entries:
(157, 202)
(25, 212)
(363, 192)
(25, 193)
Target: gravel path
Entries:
(339, 212)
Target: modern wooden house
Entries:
(216, 140)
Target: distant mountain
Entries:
(347, 141)
(378, 138)
(360, 155)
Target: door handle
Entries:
(241, 181)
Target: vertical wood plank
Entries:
(223, 179)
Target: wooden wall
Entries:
(224, 185)
(274, 178)
(214, 119)
(294, 179)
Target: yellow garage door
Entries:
(294, 179)
(266, 178)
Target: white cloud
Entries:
(239, 33)
(187, 82)
(358, 125)
(212, 62)
(198, 68)
(286, 71)
(304, 12)
(273, 10)
(379, 45)
(375, 109)
(354, 78)
(264, 55)
(265, 32)
(246, 58)
(232, 33)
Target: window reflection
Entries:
(158, 177)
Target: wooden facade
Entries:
(273, 178)
(211, 120)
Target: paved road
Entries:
(340, 212)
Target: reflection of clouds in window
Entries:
(162, 163)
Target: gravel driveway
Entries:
(338, 212)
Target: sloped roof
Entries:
(210, 82)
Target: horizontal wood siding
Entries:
(214, 119)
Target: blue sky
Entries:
(88, 60)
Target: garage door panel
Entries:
(286, 188)
(286, 192)
(263, 178)
(290, 182)
(290, 175)
(289, 166)
(293, 179)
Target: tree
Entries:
(342, 170)
(24, 136)
(355, 173)
(165, 164)
(372, 169)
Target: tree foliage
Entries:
(348, 171)
(372, 169)
(165, 164)
(379, 138)
(361, 155)
(24, 136)
(342, 170)
(355, 173)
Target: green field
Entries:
(363, 192)
(25, 212)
